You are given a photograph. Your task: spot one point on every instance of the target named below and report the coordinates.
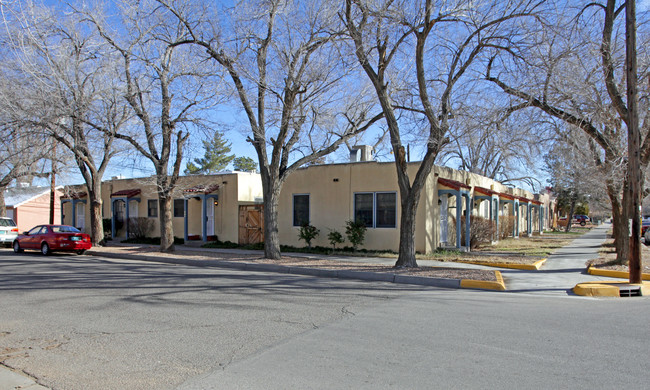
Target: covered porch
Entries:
(447, 189)
(124, 205)
(204, 198)
(487, 195)
(78, 202)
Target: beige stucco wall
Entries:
(332, 187)
(332, 202)
(234, 188)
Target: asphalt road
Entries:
(79, 322)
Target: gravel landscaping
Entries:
(607, 258)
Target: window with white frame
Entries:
(300, 209)
(152, 208)
(376, 209)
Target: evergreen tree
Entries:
(216, 156)
(245, 164)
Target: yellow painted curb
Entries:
(606, 289)
(530, 267)
(485, 285)
(613, 274)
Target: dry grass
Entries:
(465, 257)
(529, 246)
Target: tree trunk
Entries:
(406, 258)
(3, 206)
(271, 234)
(570, 216)
(96, 225)
(620, 225)
(166, 226)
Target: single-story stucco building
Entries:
(228, 206)
(326, 196)
(205, 207)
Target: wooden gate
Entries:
(251, 224)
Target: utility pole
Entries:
(634, 140)
(53, 185)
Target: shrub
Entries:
(480, 231)
(335, 238)
(307, 233)
(220, 244)
(356, 233)
(506, 226)
(107, 226)
(140, 227)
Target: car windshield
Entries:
(65, 229)
(7, 222)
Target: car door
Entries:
(43, 235)
(33, 237)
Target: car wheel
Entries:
(81, 251)
(583, 223)
(17, 248)
(45, 249)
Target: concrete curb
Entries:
(613, 274)
(324, 273)
(529, 267)
(483, 285)
(607, 289)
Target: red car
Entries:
(49, 238)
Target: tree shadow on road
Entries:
(161, 283)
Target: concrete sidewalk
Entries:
(563, 269)
(12, 380)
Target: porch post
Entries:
(204, 217)
(459, 214)
(126, 207)
(185, 213)
(74, 213)
(496, 217)
(112, 218)
(515, 211)
(468, 215)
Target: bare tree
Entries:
(428, 48)
(285, 66)
(72, 96)
(18, 156)
(573, 70)
(165, 87)
(572, 173)
(19, 159)
(68, 93)
(496, 143)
